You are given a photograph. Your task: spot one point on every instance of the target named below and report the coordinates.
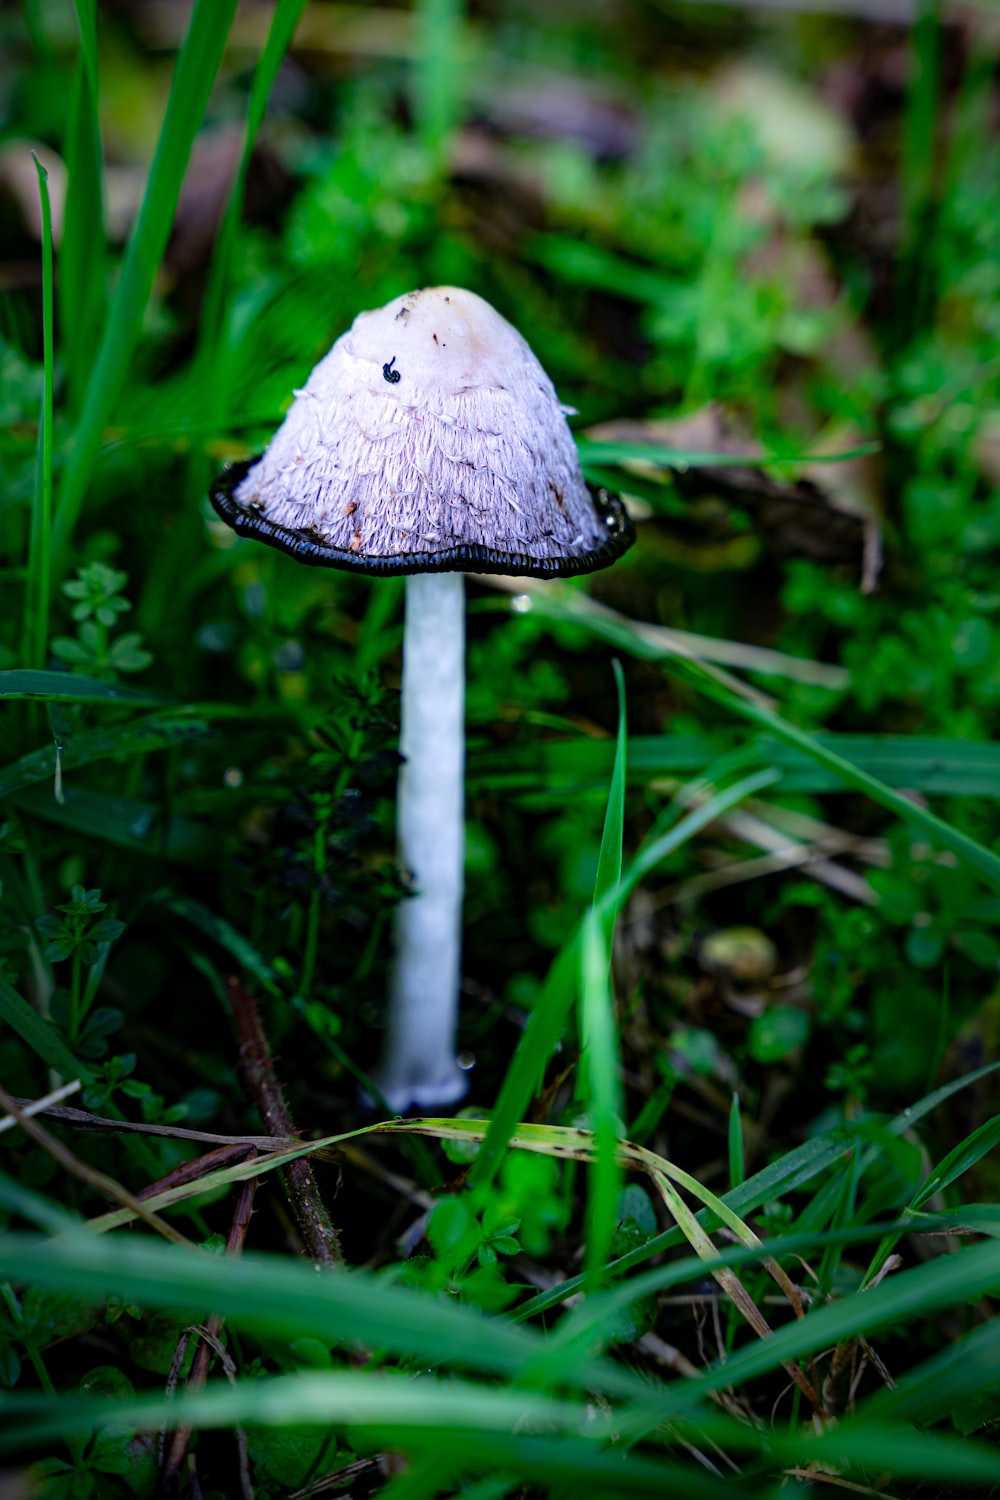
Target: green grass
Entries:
(197, 65)
(580, 1284)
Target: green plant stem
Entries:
(38, 1363)
(915, 289)
(438, 78)
(210, 363)
(40, 546)
(83, 248)
(75, 1017)
(194, 75)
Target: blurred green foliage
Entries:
(715, 235)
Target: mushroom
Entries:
(428, 442)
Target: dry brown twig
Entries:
(84, 1120)
(47, 1105)
(258, 1072)
(174, 1451)
(99, 1181)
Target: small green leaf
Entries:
(451, 1227)
(505, 1244)
(777, 1033)
(924, 946)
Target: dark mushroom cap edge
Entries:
(307, 547)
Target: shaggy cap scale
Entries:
(428, 439)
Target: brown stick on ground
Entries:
(177, 1444)
(100, 1181)
(257, 1066)
(193, 1171)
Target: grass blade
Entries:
(944, 768)
(976, 855)
(548, 1018)
(454, 1425)
(599, 1035)
(37, 1210)
(609, 865)
(83, 251)
(36, 617)
(914, 288)
(796, 1169)
(948, 1279)
(143, 827)
(136, 737)
(438, 76)
(197, 66)
(737, 1165)
(598, 1025)
(284, 1299)
(593, 454)
(211, 345)
(66, 687)
(40, 1036)
(958, 1161)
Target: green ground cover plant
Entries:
(719, 1214)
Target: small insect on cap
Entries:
(429, 439)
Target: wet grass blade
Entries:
(197, 65)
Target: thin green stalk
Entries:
(40, 546)
(915, 290)
(74, 1000)
(194, 76)
(597, 1018)
(83, 250)
(38, 1363)
(737, 1162)
(438, 77)
(547, 1019)
(979, 858)
(35, 24)
(211, 344)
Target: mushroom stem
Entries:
(418, 1064)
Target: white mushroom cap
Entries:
(429, 438)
